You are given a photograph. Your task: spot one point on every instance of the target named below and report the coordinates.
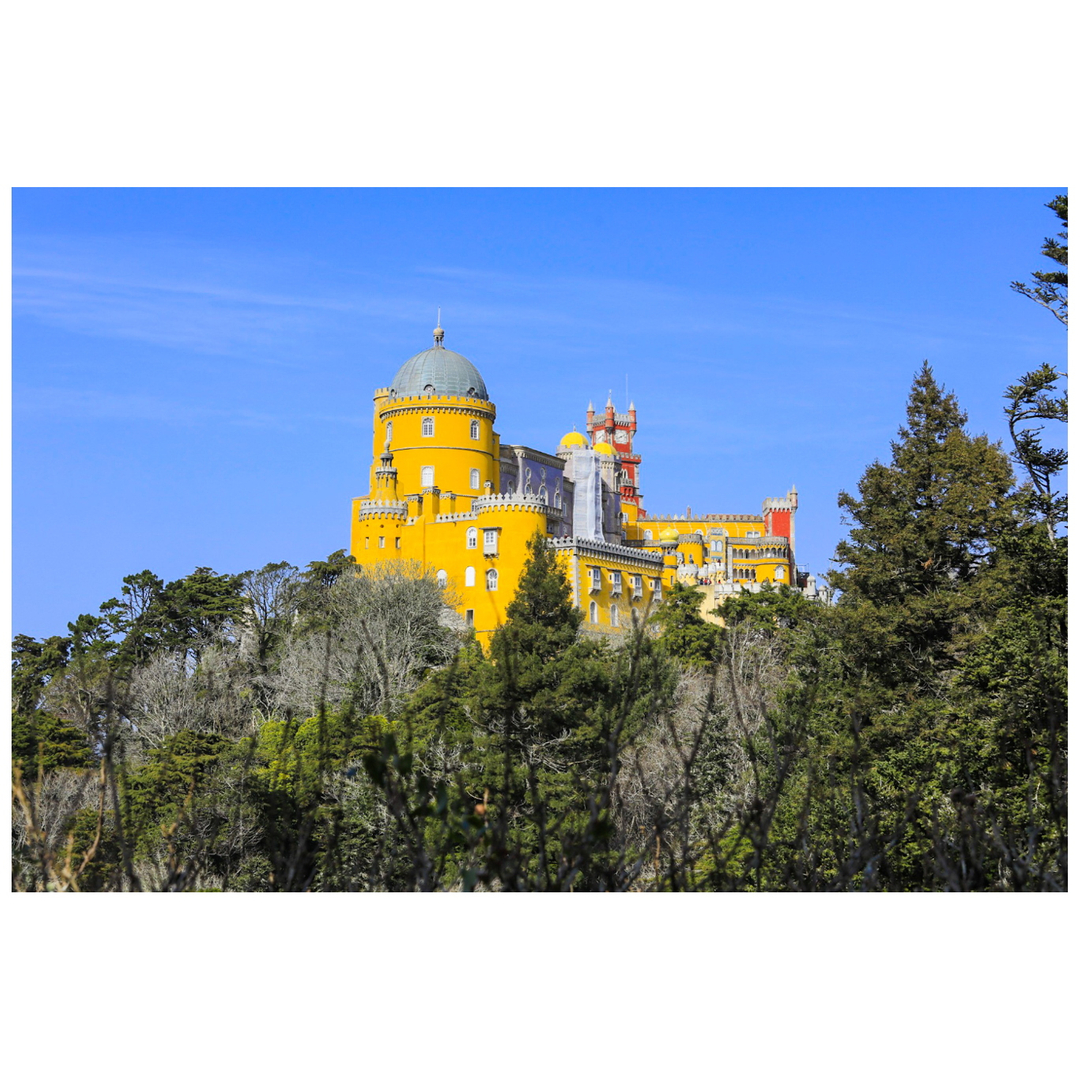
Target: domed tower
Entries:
(435, 423)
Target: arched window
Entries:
(427, 428)
(779, 575)
(427, 476)
(543, 495)
(558, 498)
(614, 615)
(474, 479)
(470, 576)
(648, 534)
(470, 537)
(594, 614)
(474, 429)
(440, 577)
(492, 580)
(389, 430)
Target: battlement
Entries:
(515, 501)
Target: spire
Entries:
(439, 330)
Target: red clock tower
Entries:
(617, 430)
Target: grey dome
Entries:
(439, 371)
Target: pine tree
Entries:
(923, 532)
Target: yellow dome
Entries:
(573, 438)
(670, 533)
(604, 448)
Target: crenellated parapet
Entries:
(381, 508)
(515, 501)
(614, 552)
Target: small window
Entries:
(440, 577)
(470, 538)
(614, 615)
(427, 429)
(594, 612)
(616, 583)
(625, 517)
(474, 429)
(648, 534)
(474, 479)
(427, 476)
(655, 584)
(367, 541)
(558, 498)
(595, 580)
(779, 575)
(470, 577)
(469, 617)
(492, 580)
(382, 541)
(397, 542)
(389, 431)
(491, 541)
(635, 581)
(753, 533)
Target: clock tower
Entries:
(617, 430)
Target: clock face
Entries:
(621, 436)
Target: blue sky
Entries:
(192, 369)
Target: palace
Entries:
(446, 492)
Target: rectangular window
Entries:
(616, 584)
(635, 581)
(491, 541)
(397, 542)
(595, 580)
(427, 476)
(469, 617)
(656, 585)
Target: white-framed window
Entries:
(389, 430)
(648, 534)
(753, 532)
(558, 498)
(594, 612)
(382, 541)
(474, 429)
(543, 495)
(614, 615)
(491, 541)
(492, 580)
(474, 479)
(427, 427)
(427, 476)
(616, 583)
(635, 582)
(470, 537)
(779, 575)
(655, 582)
(595, 579)
(470, 576)
(625, 517)
(441, 578)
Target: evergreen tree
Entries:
(1050, 288)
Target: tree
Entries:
(1050, 287)
(923, 530)
(683, 632)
